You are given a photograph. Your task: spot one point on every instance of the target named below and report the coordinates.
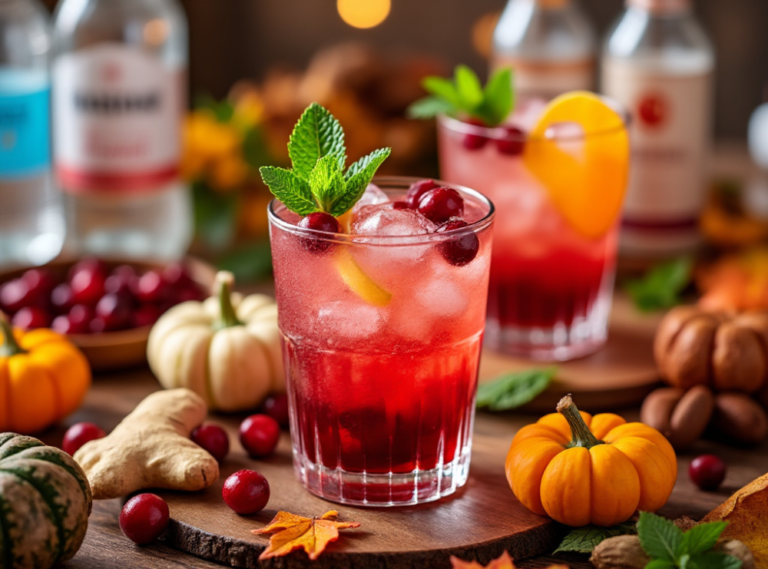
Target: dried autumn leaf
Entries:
(503, 562)
(745, 513)
(291, 532)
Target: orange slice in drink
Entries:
(357, 281)
(585, 173)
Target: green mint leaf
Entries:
(469, 88)
(701, 538)
(684, 561)
(326, 181)
(659, 537)
(585, 539)
(514, 390)
(286, 186)
(499, 98)
(660, 564)
(429, 108)
(661, 287)
(715, 560)
(443, 89)
(317, 134)
(357, 179)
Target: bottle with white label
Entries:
(550, 45)
(658, 63)
(119, 95)
(31, 219)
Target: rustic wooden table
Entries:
(106, 547)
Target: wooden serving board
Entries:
(479, 522)
(619, 375)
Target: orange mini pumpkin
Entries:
(580, 470)
(43, 378)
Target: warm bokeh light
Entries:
(364, 13)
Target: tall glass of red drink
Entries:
(382, 328)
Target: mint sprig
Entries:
(662, 286)
(671, 548)
(466, 96)
(585, 539)
(317, 181)
(513, 390)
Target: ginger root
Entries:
(625, 552)
(151, 448)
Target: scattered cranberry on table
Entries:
(213, 439)
(246, 492)
(276, 406)
(707, 471)
(144, 518)
(259, 435)
(79, 434)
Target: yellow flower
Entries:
(249, 109)
(228, 173)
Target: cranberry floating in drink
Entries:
(382, 323)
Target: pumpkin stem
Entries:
(223, 290)
(9, 347)
(580, 433)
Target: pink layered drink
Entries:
(382, 328)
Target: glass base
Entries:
(383, 490)
(556, 344)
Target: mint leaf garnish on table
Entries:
(464, 95)
(662, 286)
(669, 547)
(317, 181)
(513, 390)
(585, 539)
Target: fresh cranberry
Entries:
(259, 435)
(61, 298)
(177, 275)
(114, 311)
(90, 265)
(79, 434)
(145, 315)
(246, 492)
(87, 286)
(212, 438)
(707, 471)
(121, 281)
(276, 406)
(474, 140)
(31, 317)
(462, 249)
(318, 221)
(15, 295)
(513, 142)
(441, 204)
(400, 205)
(416, 191)
(40, 283)
(151, 288)
(62, 325)
(144, 518)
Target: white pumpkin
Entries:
(226, 349)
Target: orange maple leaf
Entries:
(503, 562)
(291, 532)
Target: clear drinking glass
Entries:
(550, 285)
(381, 342)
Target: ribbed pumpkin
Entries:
(43, 378)
(45, 501)
(560, 468)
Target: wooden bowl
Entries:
(126, 348)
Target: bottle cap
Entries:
(663, 6)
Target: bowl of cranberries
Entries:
(105, 307)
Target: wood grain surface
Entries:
(114, 396)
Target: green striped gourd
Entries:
(45, 501)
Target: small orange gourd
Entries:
(43, 378)
(579, 470)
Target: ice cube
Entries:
(348, 320)
(382, 220)
(441, 295)
(373, 195)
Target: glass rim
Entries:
(385, 183)
(501, 133)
